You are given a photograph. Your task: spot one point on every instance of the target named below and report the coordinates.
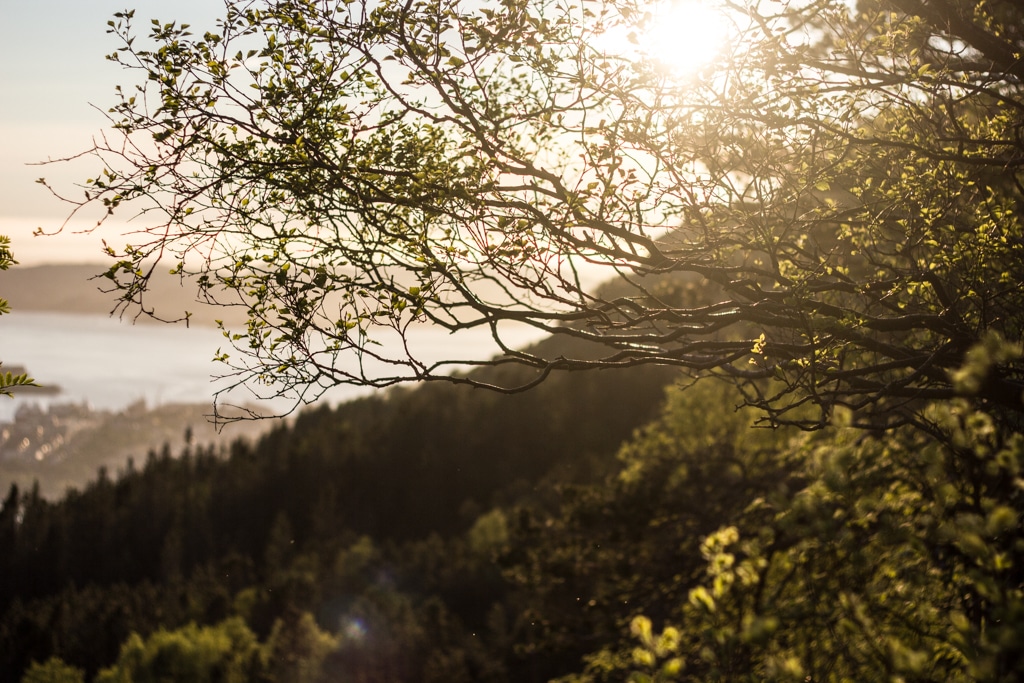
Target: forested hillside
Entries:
(403, 498)
(338, 549)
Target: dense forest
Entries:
(449, 534)
(383, 516)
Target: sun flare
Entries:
(685, 35)
(680, 36)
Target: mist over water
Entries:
(107, 363)
(110, 364)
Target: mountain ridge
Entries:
(79, 288)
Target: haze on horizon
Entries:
(56, 84)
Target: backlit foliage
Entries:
(832, 203)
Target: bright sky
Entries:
(52, 69)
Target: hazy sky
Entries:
(52, 69)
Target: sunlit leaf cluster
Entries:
(9, 380)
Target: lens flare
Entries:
(353, 629)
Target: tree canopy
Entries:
(838, 555)
(827, 212)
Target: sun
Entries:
(679, 36)
(685, 35)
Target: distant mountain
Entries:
(77, 289)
